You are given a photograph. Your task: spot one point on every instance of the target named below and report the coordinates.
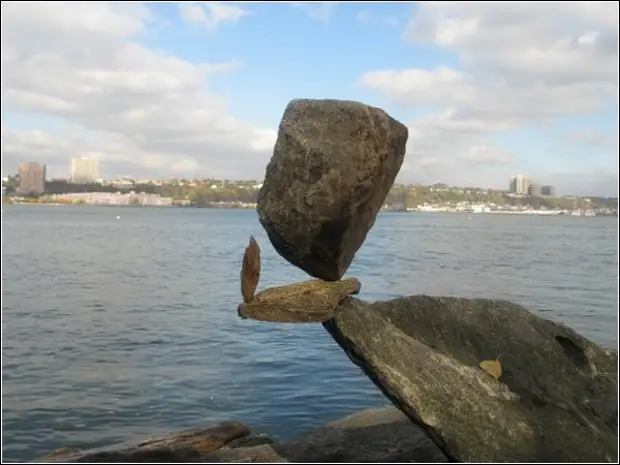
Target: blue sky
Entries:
(197, 89)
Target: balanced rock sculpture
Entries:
(333, 165)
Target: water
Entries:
(121, 327)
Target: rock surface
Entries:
(307, 302)
(250, 270)
(333, 165)
(377, 435)
(185, 446)
(556, 400)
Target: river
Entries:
(121, 321)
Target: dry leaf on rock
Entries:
(492, 367)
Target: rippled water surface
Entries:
(121, 327)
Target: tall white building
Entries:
(84, 170)
(520, 184)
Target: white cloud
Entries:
(519, 65)
(264, 140)
(211, 15)
(488, 155)
(142, 111)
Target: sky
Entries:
(197, 89)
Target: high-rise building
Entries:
(535, 190)
(31, 178)
(548, 191)
(520, 184)
(84, 170)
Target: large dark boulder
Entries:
(555, 401)
(333, 165)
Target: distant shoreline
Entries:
(234, 207)
(505, 212)
(214, 207)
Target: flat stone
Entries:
(333, 165)
(185, 446)
(556, 399)
(307, 302)
(383, 435)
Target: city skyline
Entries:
(85, 170)
(524, 185)
(481, 100)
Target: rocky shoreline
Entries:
(374, 435)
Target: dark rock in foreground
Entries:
(381, 435)
(556, 400)
(377, 435)
(333, 165)
(185, 446)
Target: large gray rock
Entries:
(333, 165)
(556, 400)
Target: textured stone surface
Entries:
(333, 164)
(376, 435)
(307, 302)
(184, 446)
(250, 270)
(556, 399)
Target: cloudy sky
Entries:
(488, 90)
